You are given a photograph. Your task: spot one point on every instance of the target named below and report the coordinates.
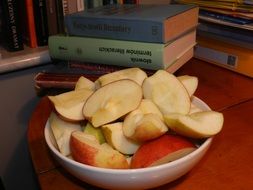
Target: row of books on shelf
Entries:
(117, 36)
(31, 22)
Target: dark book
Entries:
(51, 17)
(40, 13)
(11, 28)
(60, 16)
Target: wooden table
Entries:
(228, 163)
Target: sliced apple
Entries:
(112, 101)
(115, 137)
(196, 125)
(84, 83)
(144, 123)
(161, 150)
(194, 109)
(189, 82)
(97, 132)
(86, 149)
(70, 104)
(135, 74)
(61, 132)
(167, 92)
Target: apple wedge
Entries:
(161, 150)
(84, 83)
(194, 109)
(114, 136)
(70, 104)
(144, 123)
(112, 101)
(97, 132)
(196, 125)
(86, 149)
(167, 92)
(189, 82)
(61, 132)
(135, 74)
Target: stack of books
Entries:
(130, 35)
(224, 34)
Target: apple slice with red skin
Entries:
(163, 149)
(85, 148)
(135, 74)
(112, 101)
(167, 92)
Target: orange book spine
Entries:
(31, 24)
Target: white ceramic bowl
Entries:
(131, 178)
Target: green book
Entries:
(118, 52)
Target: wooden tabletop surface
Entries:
(228, 164)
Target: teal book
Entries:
(145, 55)
(134, 22)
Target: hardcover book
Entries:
(61, 78)
(134, 22)
(40, 12)
(12, 32)
(119, 52)
(223, 54)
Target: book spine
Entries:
(106, 51)
(143, 31)
(60, 16)
(51, 17)
(40, 12)
(30, 24)
(234, 58)
(11, 26)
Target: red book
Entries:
(30, 34)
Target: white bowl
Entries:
(131, 178)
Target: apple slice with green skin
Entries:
(70, 104)
(86, 149)
(62, 131)
(112, 101)
(167, 92)
(144, 123)
(84, 83)
(97, 132)
(114, 136)
(135, 74)
(196, 125)
(161, 150)
(189, 82)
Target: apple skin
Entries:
(112, 101)
(161, 150)
(86, 149)
(135, 74)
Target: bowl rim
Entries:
(172, 164)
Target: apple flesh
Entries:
(61, 131)
(86, 149)
(196, 125)
(189, 82)
(115, 137)
(144, 123)
(70, 104)
(135, 74)
(112, 101)
(161, 150)
(97, 132)
(84, 83)
(167, 92)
